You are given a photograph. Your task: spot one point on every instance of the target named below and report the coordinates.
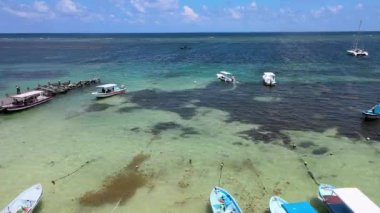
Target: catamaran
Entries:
(356, 51)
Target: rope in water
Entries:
(67, 175)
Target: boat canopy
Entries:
(299, 207)
(269, 73)
(225, 73)
(356, 200)
(106, 86)
(27, 94)
(376, 109)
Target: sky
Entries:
(141, 16)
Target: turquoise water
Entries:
(187, 123)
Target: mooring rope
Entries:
(65, 176)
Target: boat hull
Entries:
(14, 108)
(357, 53)
(106, 95)
(275, 204)
(26, 201)
(269, 83)
(370, 116)
(222, 202)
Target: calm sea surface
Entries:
(160, 146)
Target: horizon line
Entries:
(343, 31)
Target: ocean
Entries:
(159, 147)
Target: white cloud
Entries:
(189, 14)
(19, 13)
(319, 12)
(69, 6)
(254, 5)
(359, 6)
(326, 10)
(236, 12)
(39, 10)
(335, 9)
(41, 6)
(163, 5)
(139, 5)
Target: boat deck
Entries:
(5, 101)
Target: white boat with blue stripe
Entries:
(222, 202)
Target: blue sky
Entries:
(67, 16)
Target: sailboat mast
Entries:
(358, 35)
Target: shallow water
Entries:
(188, 123)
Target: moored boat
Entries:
(26, 100)
(226, 77)
(222, 202)
(279, 205)
(330, 199)
(346, 200)
(373, 113)
(355, 51)
(108, 90)
(26, 201)
(269, 79)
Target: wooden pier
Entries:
(52, 89)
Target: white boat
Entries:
(342, 200)
(269, 79)
(222, 202)
(226, 77)
(279, 205)
(26, 100)
(26, 201)
(107, 90)
(356, 51)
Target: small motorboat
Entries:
(346, 200)
(373, 113)
(26, 201)
(222, 202)
(26, 100)
(330, 199)
(108, 90)
(269, 79)
(226, 77)
(279, 205)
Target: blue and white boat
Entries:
(279, 205)
(222, 202)
(346, 200)
(372, 113)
